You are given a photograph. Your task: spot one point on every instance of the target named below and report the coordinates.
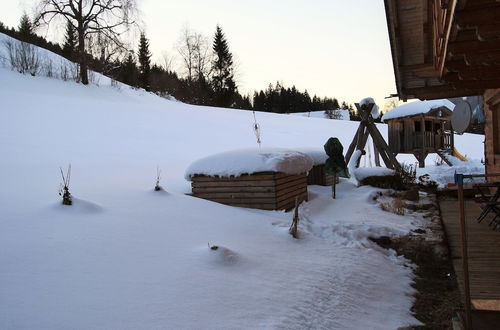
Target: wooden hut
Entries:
(318, 176)
(269, 179)
(262, 190)
(420, 128)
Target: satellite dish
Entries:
(461, 117)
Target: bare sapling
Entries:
(158, 177)
(256, 129)
(64, 190)
(294, 230)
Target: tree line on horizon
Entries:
(207, 74)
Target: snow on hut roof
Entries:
(318, 155)
(417, 107)
(248, 161)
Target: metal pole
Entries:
(465, 259)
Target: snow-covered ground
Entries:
(126, 257)
(341, 114)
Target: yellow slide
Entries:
(459, 155)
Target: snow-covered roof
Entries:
(318, 155)
(417, 107)
(248, 161)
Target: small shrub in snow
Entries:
(47, 69)
(64, 190)
(408, 174)
(158, 177)
(426, 182)
(23, 57)
(256, 129)
(295, 221)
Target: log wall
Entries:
(265, 190)
(492, 131)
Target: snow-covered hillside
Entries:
(126, 257)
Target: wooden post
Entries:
(377, 155)
(465, 258)
(354, 143)
(334, 186)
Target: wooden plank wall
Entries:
(318, 176)
(268, 191)
(492, 131)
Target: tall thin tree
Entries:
(222, 70)
(144, 56)
(70, 41)
(25, 28)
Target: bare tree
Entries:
(390, 104)
(168, 61)
(109, 18)
(196, 55)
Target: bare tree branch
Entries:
(109, 19)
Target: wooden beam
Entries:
(439, 92)
(477, 72)
(484, 13)
(489, 58)
(474, 46)
(477, 84)
(488, 31)
(354, 142)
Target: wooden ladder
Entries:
(444, 155)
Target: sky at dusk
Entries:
(333, 48)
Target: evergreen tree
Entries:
(144, 62)
(223, 77)
(25, 28)
(129, 70)
(70, 41)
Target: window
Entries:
(418, 126)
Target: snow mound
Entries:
(222, 255)
(342, 114)
(252, 160)
(79, 206)
(417, 107)
(364, 172)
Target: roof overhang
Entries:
(444, 48)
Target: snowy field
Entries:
(126, 257)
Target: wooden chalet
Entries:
(428, 131)
(449, 48)
(444, 49)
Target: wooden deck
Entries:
(484, 253)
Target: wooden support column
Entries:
(465, 256)
(377, 155)
(354, 143)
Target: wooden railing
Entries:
(431, 140)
